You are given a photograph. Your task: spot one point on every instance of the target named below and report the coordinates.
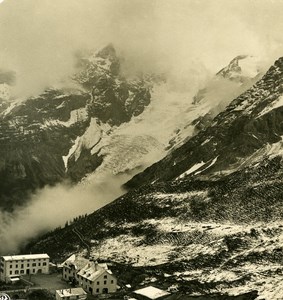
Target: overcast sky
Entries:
(38, 37)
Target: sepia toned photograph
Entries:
(141, 149)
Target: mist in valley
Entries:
(52, 207)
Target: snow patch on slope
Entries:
(90, 138)
(13, 104)
(211, 164)
(275, 149)
(77, 115)
(126, 248)
(70, 153)
(191, 170)
(274, 105)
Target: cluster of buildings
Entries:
(92, 277)
(89, 277)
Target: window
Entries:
(39, 264)
(27, 265)
(22, 266)
(16, 266)
(97, 283)
(11, 266)
(34, 264)
(33, 270)
(105, 276)
(112, 281)
(97, 290)
(22, 272)
(11, 272)
(105, 282)
(44, 264)
(17, 272)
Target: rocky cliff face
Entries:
(238, 76)
(39, 134)
(247, 126)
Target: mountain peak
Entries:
(240, 68)
(107, 52)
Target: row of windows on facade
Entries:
(21, 272)
(33, 265)
(27, 260)
(97, 290)
(98, 283)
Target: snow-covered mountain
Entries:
(208, 216)
(102, 123)
(239, 75)
(243, 130)
(39, 135)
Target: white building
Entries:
(72, 266)
(16, 265)
(71, 294)
(97, 279)
(92, 277)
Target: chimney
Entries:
(96, 265)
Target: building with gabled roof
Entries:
(72, 265)
(93, 277)
(97, 279)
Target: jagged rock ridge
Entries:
(249, 123)
(37, 133)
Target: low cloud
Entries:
(52, 207)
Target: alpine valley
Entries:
(201, 207)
